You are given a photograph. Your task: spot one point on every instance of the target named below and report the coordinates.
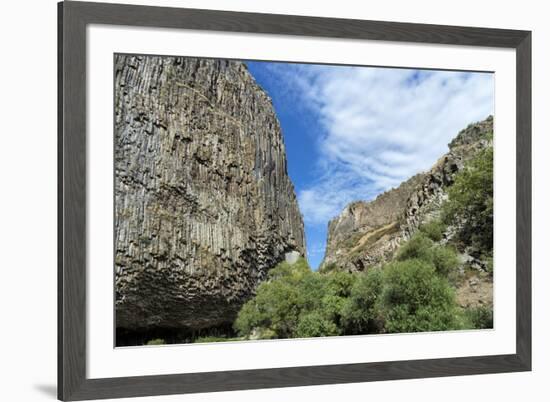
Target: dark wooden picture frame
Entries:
(73, 17)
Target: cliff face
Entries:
(203, 203)
(367, 233)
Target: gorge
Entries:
(207, 216)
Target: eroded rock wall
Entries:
(368, 233)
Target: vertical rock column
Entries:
(203, 203)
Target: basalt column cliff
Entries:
(203, 203)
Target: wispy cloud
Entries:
(316, 250)
(379, 126)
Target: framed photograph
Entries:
(256, 201)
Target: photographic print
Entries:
(260, 200)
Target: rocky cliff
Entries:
(367, 233)
(203, 203)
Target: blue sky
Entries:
(354, 132)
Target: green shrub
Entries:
(444, 259)
(278, 302)
(340, 283)
(295, 302)
(276, 306)
(156, 341)
(488, 135)
(408, 295)
(350, 241)
(418, 247)
(290, 272)
(328, 268)
(489, 263)
(315, 324)
(470, 202)
(480, 317)
(414, 298)
(433, 230)
(360, 312)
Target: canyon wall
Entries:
(204, 206)
(368, 233)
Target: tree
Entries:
(360, 314)
(409, 294)
(314, 324)
(296, 302)
(414, 298)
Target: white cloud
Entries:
(316, 250)
(380, 126)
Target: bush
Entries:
(360, 313)
(315, 324)
(290, 272)
(433, 230)
(328, 268)
(296, 302)
(278, 301)
(470, 202)
(480, 317)
(443, 258)
(408, 295)
(488, 260)
(414, 298)
(340, 283)
(418, 247)
(275, 307)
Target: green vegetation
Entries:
(409, 294)
(156, 341)
(205, 339)
(328, 268)
(480, 317)
(361, 313)
(470, 202)
(433, 229)
(415, 298)
(350, 241)
(295, 302)
(488, 136)
(443, 258)
(412, 292)
(489, 262)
